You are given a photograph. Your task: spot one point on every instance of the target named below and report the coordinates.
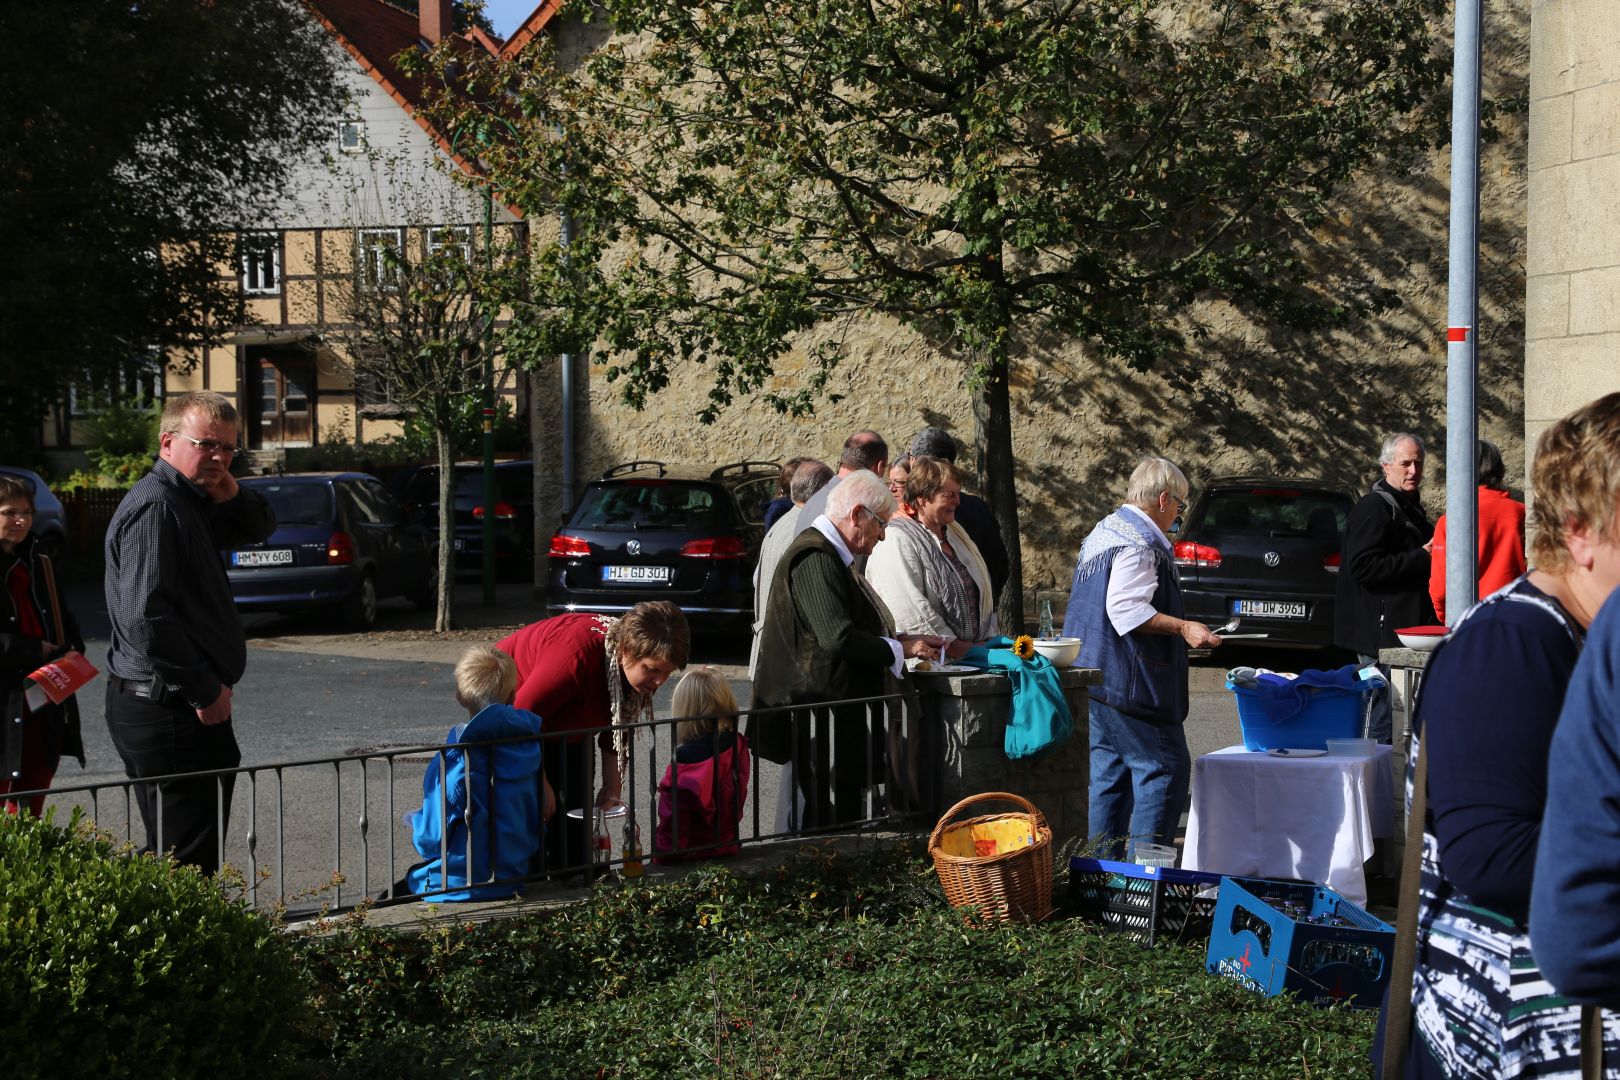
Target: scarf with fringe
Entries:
(1117, 530)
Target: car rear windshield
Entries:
(1274, 511)
(298, 503)
(654, 504)
(512, 485)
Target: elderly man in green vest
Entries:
(827, 637)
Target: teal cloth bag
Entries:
(1040, 716)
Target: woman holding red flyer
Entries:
(34, 629)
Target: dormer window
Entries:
(351, 135)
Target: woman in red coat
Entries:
(1500, 527)
(32, 741)
(582, 672)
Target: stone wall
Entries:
(1573, 259)
(1241, 399)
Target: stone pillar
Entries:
(973, 710)
(1572, 301)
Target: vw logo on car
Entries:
(633, 547)
(1272, 558)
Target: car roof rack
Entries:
(743, 467)
(635, 466)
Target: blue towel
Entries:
(1281, 699)
(1040, 717)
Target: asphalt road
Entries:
(311, 694)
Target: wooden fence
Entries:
(88, 513)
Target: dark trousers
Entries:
(186, 817)
(568, 767)
(838, 758)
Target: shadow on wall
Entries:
(1239, 397)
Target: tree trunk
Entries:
(992, 419)
(445, 619)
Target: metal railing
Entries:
(304, 833)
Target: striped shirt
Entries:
(168, 598)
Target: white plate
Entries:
(1302, 752)
(946, 669)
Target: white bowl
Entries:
(1060, 650)
(1421, 642)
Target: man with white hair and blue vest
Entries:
(1125, 605)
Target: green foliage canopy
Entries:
(135, 137)
(987, 172)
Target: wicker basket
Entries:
(1000, 863)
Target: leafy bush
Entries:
(123, 429)
(119, 965)
(419, 442)
(828, 966)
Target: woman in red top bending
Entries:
(1500, 528)
(583, 672)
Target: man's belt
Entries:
(154, 689)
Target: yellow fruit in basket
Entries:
(923, 665)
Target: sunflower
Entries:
(1024, 647)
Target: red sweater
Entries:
(1501, 547)
(562, 673)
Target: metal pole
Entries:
(489, 401)
(566, 237)
(1462, 316)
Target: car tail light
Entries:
(503, 512)
(714, 547)
(1191, 554)
(340, 549)
(1331, 563)
(569, 547)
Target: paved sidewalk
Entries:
(403, 633)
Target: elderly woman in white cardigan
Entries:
(926, 569)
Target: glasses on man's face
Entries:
(9, 513)
(211, 446)
(881, 524)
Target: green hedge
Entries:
(829, 967)
(120, 965)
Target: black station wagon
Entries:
(647, 532)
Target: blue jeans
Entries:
(1380, 706)
(1139, 777)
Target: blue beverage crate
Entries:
(1330, 714)
(1146, 902)
(1269, 950)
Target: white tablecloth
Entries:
(1308, 818)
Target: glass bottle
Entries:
(1046, 633)
(632, 851)
(601, 844)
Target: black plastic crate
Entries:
(1148, 902)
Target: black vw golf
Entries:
(1265, 549)
(645, 531)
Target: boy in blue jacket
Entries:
(497, 787)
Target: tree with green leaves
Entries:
(990, 173)
(136, 136)
(413, 320)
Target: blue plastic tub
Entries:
(1328, 713)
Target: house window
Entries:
(261, 264)
(351, 135)
(454, 238)
(376, 261)
(136, 382)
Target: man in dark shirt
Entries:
(177, 641)
(1384, 567)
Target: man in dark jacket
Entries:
(826, 638)
(1384, 567)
